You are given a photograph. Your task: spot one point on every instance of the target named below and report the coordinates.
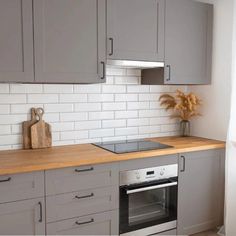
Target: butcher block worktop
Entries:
(20, 161)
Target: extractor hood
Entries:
(135, 64)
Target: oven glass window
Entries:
(148, 205)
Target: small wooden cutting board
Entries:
(26, 132)
(41, 136)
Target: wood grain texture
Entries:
(26, 132)
(19, 161)
(41, 136)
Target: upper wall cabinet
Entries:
(16, 41)
(70, 41)
(135, 30)
(188, 45)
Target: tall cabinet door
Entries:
(135, 29)
(188, 42)
(23, 218)
(201, 184)
(16, 41)
(69, 41)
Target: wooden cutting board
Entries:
(41, 136)
(26, 132)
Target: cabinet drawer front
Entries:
(21, 186)
(98, 224)
(85, 202)
(79, 178)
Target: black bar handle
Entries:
(112, 45)
(184, 164)
(40, 212)
(87, 196)
(84, 170)
(103, 70)
(169, 72)
(5, 180)
(86, 222)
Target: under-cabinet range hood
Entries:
(135, 64)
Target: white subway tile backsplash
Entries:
(103, 115)
(70, 98)
(88, 107)
(87, 125)
(73, 116)
(101, 133)
(126, 97)
(113, 123)
(42, 98)
(26, 88)
(49, 108)
(58, 88)
(113, 89)
(114, 106)
(4, 109)
(100, 97)
(87, 88)
(126, 114)
(119, 109)
(12, 98)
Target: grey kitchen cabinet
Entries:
(135, 30)
(21, 186)
(105, 223)
(70, 41)
(188, 42)
(23, 217)
(200, 189)
(16, 43)
(188, 45)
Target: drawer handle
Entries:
(87, 196)
(84, 223)
(5, 180)
(84, 170)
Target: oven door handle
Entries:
(151, 187)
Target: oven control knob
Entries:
(137, 175)
(162, 172)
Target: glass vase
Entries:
(185, 128)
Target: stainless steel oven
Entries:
(148, 200)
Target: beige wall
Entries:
(216, 97)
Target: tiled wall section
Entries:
(119, 109)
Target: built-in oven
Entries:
(148, 200)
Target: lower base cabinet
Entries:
(105, 223)
(200, 191)
(22, 217)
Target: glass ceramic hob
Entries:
(127, 146)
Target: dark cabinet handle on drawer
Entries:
(5, 180)
(184, 164)
(112, 45)
(84, 170)
(87, 196)
(84, 223)
(103, 69)
(40, 212)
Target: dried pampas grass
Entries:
(184, 105)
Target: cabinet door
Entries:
(135, 29)
(105, 223)
(188, 42)
(200, 187)
(69, 41)
(22, 218)
(16, 41)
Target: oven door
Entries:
(148, 204)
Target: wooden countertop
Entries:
(20, 161)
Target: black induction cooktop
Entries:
(127, 146)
